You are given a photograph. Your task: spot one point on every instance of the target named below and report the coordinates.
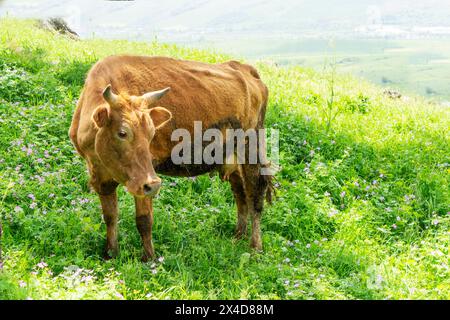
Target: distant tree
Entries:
(430, 91)
(385, 80)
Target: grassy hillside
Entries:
(411, 66)
(362, 209)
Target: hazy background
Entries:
(400, 44)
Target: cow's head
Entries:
(127, 125)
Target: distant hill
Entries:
(177, 19)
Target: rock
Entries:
(58, 25)
(392, 94)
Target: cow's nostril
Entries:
(147, 188)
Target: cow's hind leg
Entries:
(241, 204)
(110, 215)
(144, 223)
(255, 186)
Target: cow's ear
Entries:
(150, 98)
(101, 116)
(160, 116)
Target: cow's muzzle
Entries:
(151, 188)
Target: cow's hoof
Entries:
(106, 257)
(239, 234)
(146, 258)
(256, 245)
(109, 254)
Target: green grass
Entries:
(362, 209)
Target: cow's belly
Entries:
(162, 147)
(167, 167)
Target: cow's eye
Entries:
(122, 134)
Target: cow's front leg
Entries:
(144, 223)
(110, 215)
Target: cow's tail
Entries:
(268, 169)
(269, 181)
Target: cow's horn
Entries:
(110, 96)
(151, 97)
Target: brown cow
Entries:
(124, 120)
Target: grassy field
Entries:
(362, 210)
(420, 67)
